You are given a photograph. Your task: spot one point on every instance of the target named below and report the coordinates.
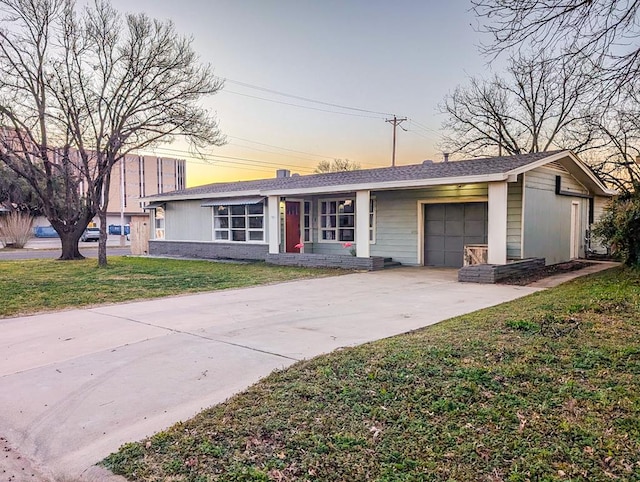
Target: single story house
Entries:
(489, 210)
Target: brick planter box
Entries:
(310, 260)
(207, 250)
(492, 273)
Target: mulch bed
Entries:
(524, 279)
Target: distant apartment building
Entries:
(143, 176)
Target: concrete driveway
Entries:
(75, 385)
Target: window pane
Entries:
(347, 206)
(255, 222)
(222, 210)
(222, 223)
(324, 207)
(333, 207)
(222, 234)
(237, 222)
(237, 210)
(255, 208)
(307, 207)
(238, 235)
(347, 235)
(329, 235)
(256, 235)
(347, 221)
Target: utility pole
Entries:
(396, 122)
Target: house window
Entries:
(239, 223)
(159, 223)
(307, 222)
(337, 220)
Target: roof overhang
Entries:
(233, 201)
(154, 205)
(383, 186)
(202, 195)
(576, 168)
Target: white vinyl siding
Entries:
(514, 219)
(187, 221)
(547, 216)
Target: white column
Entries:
(273, 210)
(497, 238)
(362, 223)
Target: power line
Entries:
(290, 150)
(278, 147)
(425, 128)
(298, 105)
(232, 159)
(306, 99)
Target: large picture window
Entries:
(337, 220)
(239, 223)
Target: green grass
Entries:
(40, 285)
(544, 388)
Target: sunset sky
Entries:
(381, 57)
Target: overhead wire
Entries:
(301, 106)
(230, 159)
(298, 97)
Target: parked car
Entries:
(116, 229)
(45, 232)
(90, 234)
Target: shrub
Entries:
(15, 229)
(620, 227)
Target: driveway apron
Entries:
(75, 385)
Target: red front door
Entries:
(292, 226)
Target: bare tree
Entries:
(80, 90)
(603, 32)
(618, 130)
(538, 106)
(337, 165)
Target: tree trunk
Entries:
(70, 245)
(102, 242)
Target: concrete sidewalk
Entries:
(75, 385)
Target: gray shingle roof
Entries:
(470, 167)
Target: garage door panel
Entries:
(434, 258)
(434, 227)
(454, 228)
(475, 212)
(454, 212)
(433, 243)
(454, 243)
(474, 228)
(435, 212)
(452, 260)
(474, 240)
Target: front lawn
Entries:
(544, 388)
(32, 286)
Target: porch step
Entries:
(390, 263)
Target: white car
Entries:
(91, 234)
